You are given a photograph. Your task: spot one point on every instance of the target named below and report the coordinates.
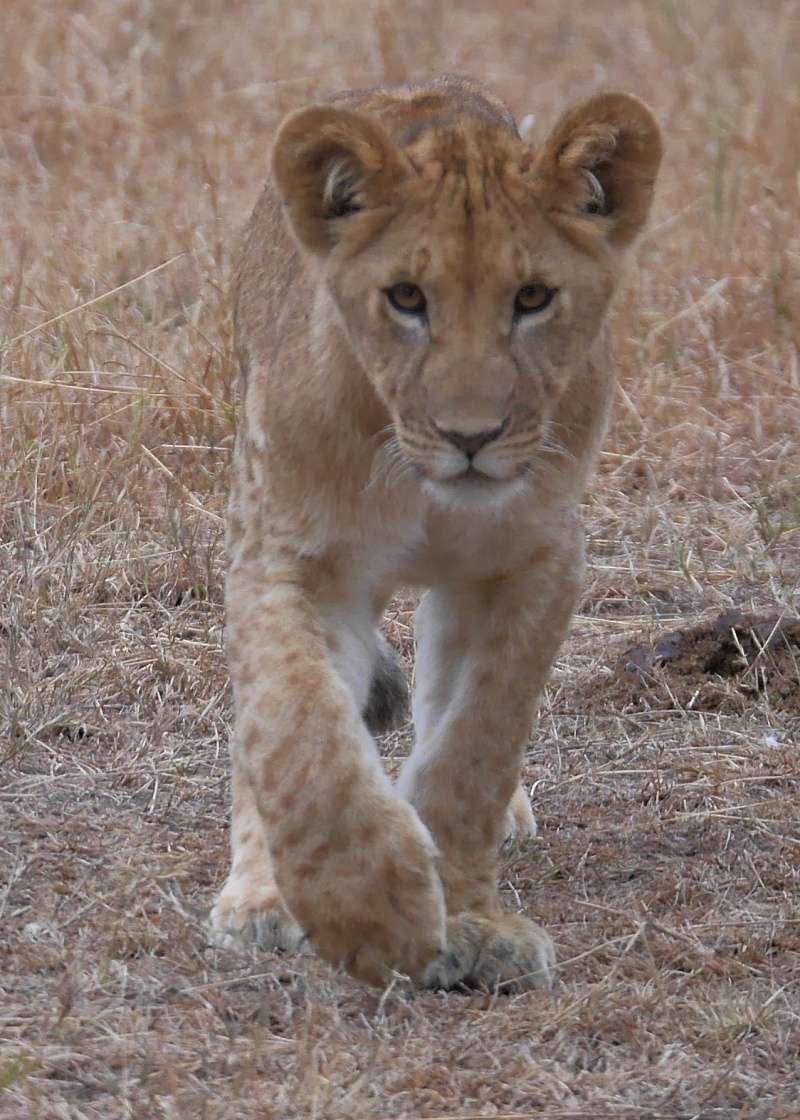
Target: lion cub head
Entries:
(469, 271)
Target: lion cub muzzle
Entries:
(471, 442)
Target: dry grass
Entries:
(134, 135)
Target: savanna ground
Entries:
(134, 135)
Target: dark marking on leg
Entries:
(388, 700)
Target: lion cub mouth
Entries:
(473, 472)
(474, 490)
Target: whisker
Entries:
(390, 465)
(551, 445)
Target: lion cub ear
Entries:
(598, 167)
(329, 164)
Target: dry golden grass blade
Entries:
(91, 302)
(190, 498)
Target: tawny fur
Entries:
(345, 487)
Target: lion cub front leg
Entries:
(484, 652)
(352, 862)
(249, 909)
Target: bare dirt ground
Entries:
(133, 139)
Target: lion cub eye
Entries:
(407, 298)
(533, 298)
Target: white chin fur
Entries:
(473, 493)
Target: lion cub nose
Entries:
(471, 442)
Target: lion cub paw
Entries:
(258, 917)
(508, 952)
(375, 907)
(520, 823)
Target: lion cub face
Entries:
(469, 272)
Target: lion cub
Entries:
(417, 309)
